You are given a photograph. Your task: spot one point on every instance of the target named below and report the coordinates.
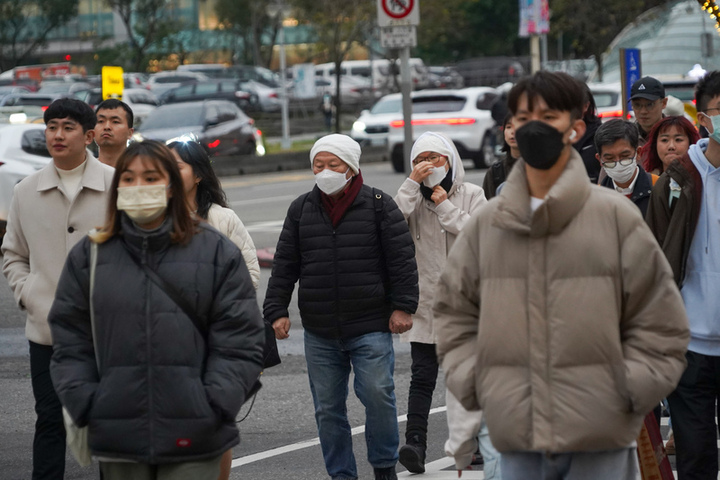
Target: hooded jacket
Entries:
(564, 324)
(434, 229)
(163, 393)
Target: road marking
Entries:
(271, 226)
(437, 471)
(253, 201)
(271, 178)
(238, 462)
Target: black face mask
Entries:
(540, 144)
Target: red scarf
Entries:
(336, 207)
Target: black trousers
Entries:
(693, 409)
(422, 385)
(49, 441)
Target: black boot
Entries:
(385, 473)
(412, 455)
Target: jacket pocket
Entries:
(26, 292)
(620, 378)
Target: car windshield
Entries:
(174, 116)
(605, 99)
(387, 106)
(435, 104)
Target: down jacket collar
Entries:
(565, 199)
(158, 239)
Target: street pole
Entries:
(285, 144)
(534, 53)
(406, 88)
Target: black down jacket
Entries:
(351, 277)
(164, 395)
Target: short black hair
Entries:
(559, 90)
(74, 109)
(112, 104)
(614, 130)
(706, 89)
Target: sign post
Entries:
(397, 20)
(630, 72)
(113, 82)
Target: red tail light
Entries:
(612, 114)
(273, 95)
(44, 107)
(214, 144)
(435, 121)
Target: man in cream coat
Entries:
(51, 211)
(557, 313)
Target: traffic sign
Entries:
(398, 13)
(112, 82)
(398, 36)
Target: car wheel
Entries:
(398, 159)
(486, 156)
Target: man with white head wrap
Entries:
(436, 204)
(350, 248)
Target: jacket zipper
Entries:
(151, 416)
(337, 292)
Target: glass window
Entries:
(33, 141)
(387, 106)
(438, 104)
(485, 101)
(206, 88)
(183, 91)
(605, 99)
(174, 116)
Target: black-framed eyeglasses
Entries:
(434, 159)
(713, 108)
(624, 162)
(643, 106)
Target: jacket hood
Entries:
(564, 200)
(458, 170)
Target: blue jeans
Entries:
(620, 464)
(491, 457)
(372, 358)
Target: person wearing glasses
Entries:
(616, 142)
(437, 204)
(684, 215)
(648, 100)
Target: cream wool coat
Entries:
(564, 325)
(434, 229)
(226, 221)
(43, 225)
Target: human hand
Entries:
(421, 171)
(400, 322)
(281, 327)
(439, 195)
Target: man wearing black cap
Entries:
(647, 97)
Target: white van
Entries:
(380, 71)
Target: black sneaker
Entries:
(385, 473)
(412, 457)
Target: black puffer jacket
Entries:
(351, 278)
(164, 395)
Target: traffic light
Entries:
(68, 57)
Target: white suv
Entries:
(463, 115)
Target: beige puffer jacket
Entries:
(227, 222)
(434, 229)
(564, 325)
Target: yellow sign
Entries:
(112, 82)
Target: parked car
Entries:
(463, 115)
(372, 126)
(353, 90)
(63, 88)
(444, 77)
(161, 82)
(226, 89)
(220, 126)
(9, 89)
(22, 152)
(608, 100)
(35, 99)
(140, 101)
(490, 70)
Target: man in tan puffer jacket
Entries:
(557, 313)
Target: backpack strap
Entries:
(497, 170)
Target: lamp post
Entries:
(274, 9)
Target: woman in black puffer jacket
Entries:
(159, 390)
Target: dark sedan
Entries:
(220, 126)
(227, 89)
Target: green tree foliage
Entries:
(592, 26)
(249, 20)
(452, 30)
(25, 25)
(149, 23)
(339, 25)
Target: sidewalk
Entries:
(443, 470)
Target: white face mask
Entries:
(437, 176)
(143, 203)
(622, 173)
(331, 182)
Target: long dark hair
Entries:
(651, 158)
(209, 190)
(184, 225)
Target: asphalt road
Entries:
(279, 436)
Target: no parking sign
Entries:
(392, 13)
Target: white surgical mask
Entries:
(143, 203)
(437, 176)
(622, 173)
(331, 182)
